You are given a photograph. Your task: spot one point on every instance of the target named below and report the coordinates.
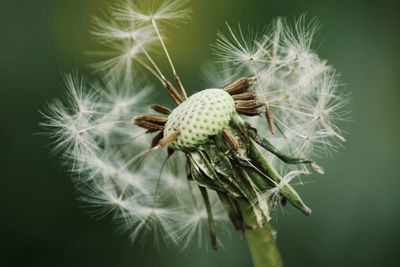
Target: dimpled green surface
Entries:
(202, 115)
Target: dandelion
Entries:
(182, 173)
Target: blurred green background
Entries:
(356, 205)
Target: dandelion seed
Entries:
(240, 50)
(170, 11)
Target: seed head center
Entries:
(201, 116)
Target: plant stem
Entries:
(261, 242)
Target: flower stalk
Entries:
(261, 242)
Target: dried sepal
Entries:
(231, 140)
(156, 119)
(150, 127)
(156, 140)
(248, 104)
(270, 118)
(245, 96)
(250, 112)
(161, 109)
(152, 123)
(169, 139)
(176, 97)
(240, 86)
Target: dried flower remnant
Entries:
(211, 158)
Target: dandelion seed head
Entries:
(192, 188)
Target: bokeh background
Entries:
(356, 205)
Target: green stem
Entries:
(261, 242)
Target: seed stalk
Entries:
(261, 241)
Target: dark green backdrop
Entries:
(356, 215)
